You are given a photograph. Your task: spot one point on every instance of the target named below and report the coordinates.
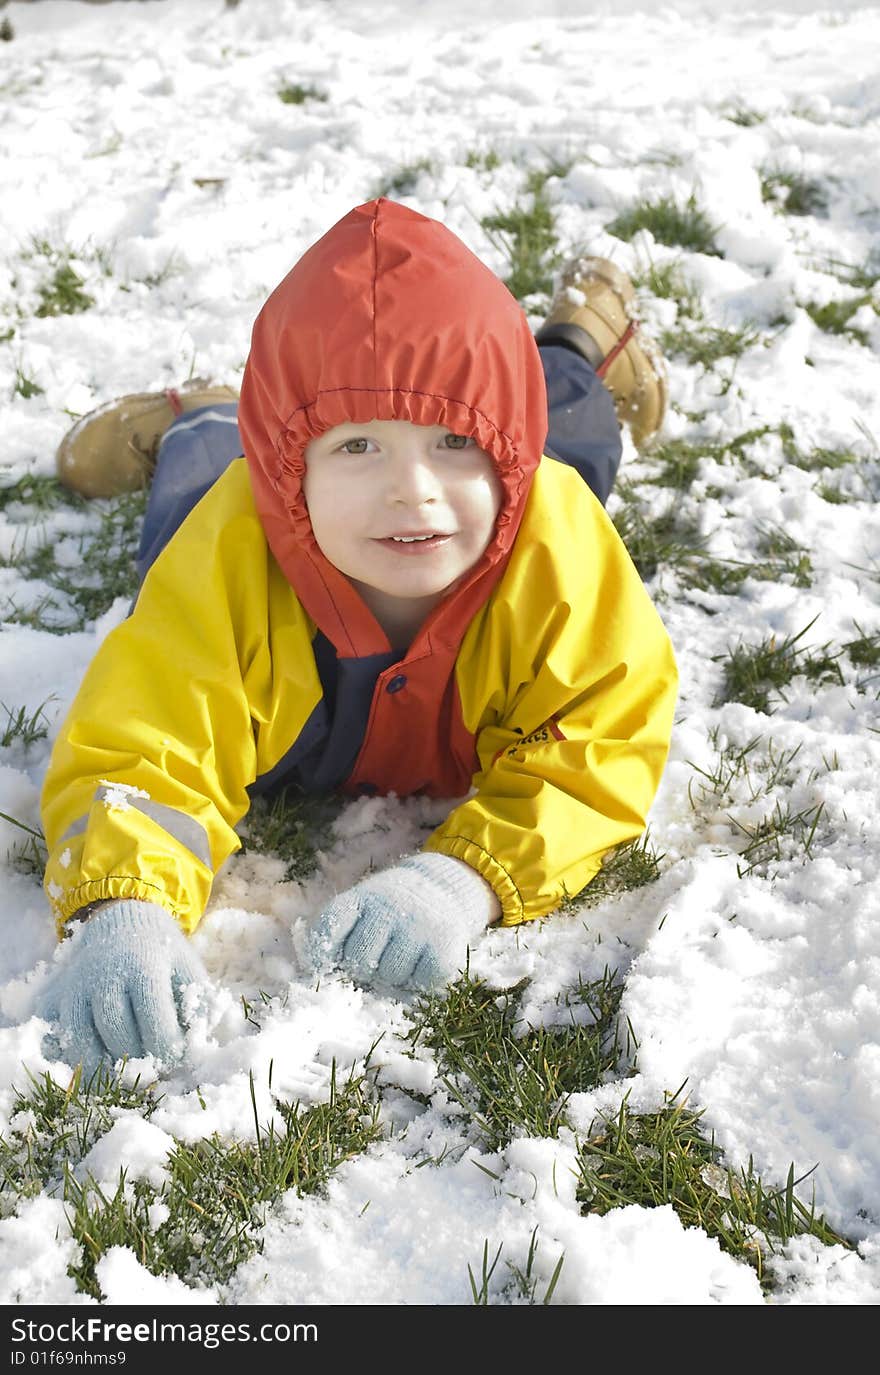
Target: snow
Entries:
(758, 990)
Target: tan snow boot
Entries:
(594, 312)
(113, 449)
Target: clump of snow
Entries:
(132, 1145)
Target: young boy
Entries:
(393, 591)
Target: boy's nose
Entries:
(412, 480)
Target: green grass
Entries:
(404, 181)
(668, 282)
(23, 726)
(626, 867)
(483, 161)
(667, 1159)
(864, 649)
(63, 294)
(753, 674)
(218, 1194)
(523, 1284)
(30, 855)
(743, 115)
(37, 493)
(665, 540)
(834, 316)
(860, 276)
(26, 386)
(77, 596)
(783, 834)
(291, 828)
(751, 771)
(706, 344)
(786, 555)
(297, 93)
(511, 1078)
(679, 461)
(526, 236)
(687, 225)
(792, 193)
(818, 459)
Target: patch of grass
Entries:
(666, 540)
(754, 672)
(833, 495)
(510, 1077)
(405, 180)
(864, 650)
(680, 460)
(624, 868)
(818, 459)
(172, 267)
(665, 1159)
(834, 316)
(526, 235)
(788, 557)
(297, 93)
(291, 827)
(792, 193)
(777, 836)
(860, 276)
(31, 855)
(63, 293)
(523, 1285)
(7, 32)
(26, 386)
(707, 574)
(753, 770)
(668, 282)
(744, 115)
(79, 595)
(39, 492)
(687, 226)
(708, 344)
(23, 726)
(51, 1126)
(206, 1218)
(483, 162)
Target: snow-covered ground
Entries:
(149, 139)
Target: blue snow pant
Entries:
(200, 444)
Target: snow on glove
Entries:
(119, 991)
(406, 926)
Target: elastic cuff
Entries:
(473, 894)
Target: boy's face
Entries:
(366, 483)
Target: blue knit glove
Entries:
(409, 926)
(118, 992)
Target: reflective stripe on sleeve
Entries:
(183, 827)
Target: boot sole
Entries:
(112, 449)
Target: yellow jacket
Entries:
(565, 677)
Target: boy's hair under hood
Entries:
(387, 317)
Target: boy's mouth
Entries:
(414, 544)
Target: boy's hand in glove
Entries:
(409, 926)
(119, 991)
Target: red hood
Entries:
(388, 317)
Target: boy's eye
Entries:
(457, 441)
(354, 446)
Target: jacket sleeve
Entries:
(571, 758)
(149, 772)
